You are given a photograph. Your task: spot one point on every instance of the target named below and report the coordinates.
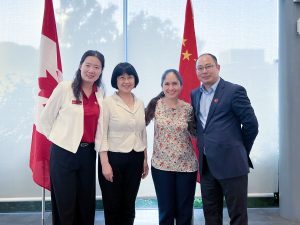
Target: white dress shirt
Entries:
(124, 129)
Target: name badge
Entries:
(76, 102)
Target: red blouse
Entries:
(91, 114)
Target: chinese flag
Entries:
(188, 59)
(50, 74)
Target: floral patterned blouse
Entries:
(172, 148)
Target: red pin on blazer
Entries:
(216, 100)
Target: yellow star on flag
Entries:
(186, 55)
(183, 41)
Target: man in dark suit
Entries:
(227, 128)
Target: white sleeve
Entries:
(104, 143)
(50, 111)
(144, 134)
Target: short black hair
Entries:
(211, 55)
(122, 68)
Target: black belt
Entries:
(85, 144)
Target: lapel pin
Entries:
(216, 100)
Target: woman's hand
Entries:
(106, 167)
(107, 172)
(146, 169)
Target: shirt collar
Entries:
(94, 90)
(116, 96)
(212, 89)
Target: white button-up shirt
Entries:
(123, 129)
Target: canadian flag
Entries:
(50, 73)
(187, 63)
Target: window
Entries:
(242, 34)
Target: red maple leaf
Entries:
(46, 85)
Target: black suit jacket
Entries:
(229, 133)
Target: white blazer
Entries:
(123, 129)
(61, 120)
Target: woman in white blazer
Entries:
(123, 151)
(73, 121)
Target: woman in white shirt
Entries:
(123, 152)
(70, 120)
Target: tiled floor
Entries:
(265, 216)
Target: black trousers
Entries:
(213, 191)
(73, 185)
(175, 193)
(119, 196)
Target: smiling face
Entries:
(207, 70)
(125, 83)
(91, 69)
(171, 86)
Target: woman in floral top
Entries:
(174, 165)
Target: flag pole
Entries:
(43, 206)
(125, 35)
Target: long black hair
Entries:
(76, 84)
(150, 109)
